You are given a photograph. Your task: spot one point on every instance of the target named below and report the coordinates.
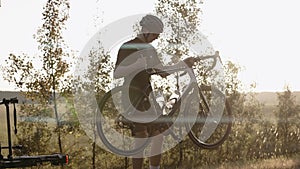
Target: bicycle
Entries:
(113, 115)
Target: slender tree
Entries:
(287, 114)
(43, 76)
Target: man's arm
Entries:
(188, 62)
(122, 70)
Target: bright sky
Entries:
(260, 35)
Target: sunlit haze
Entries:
(262, 36)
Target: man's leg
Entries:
(137, 163)
(157, 141)
(140, 131)
(156, 150)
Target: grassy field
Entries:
(275, 163)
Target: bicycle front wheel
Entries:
(212, 125)
(113, 129)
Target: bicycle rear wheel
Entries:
(113, 129)
(211, 128)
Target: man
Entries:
(134, 59)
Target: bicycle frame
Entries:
(185, 94)
(189, 71)
(176, 106)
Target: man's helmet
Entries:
(152, 24)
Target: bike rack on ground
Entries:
(24, 161)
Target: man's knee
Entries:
(140, 134)
(139, 131)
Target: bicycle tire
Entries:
(222, 130)
(107, 108)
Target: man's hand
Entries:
(189, 61)
(164, 74)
